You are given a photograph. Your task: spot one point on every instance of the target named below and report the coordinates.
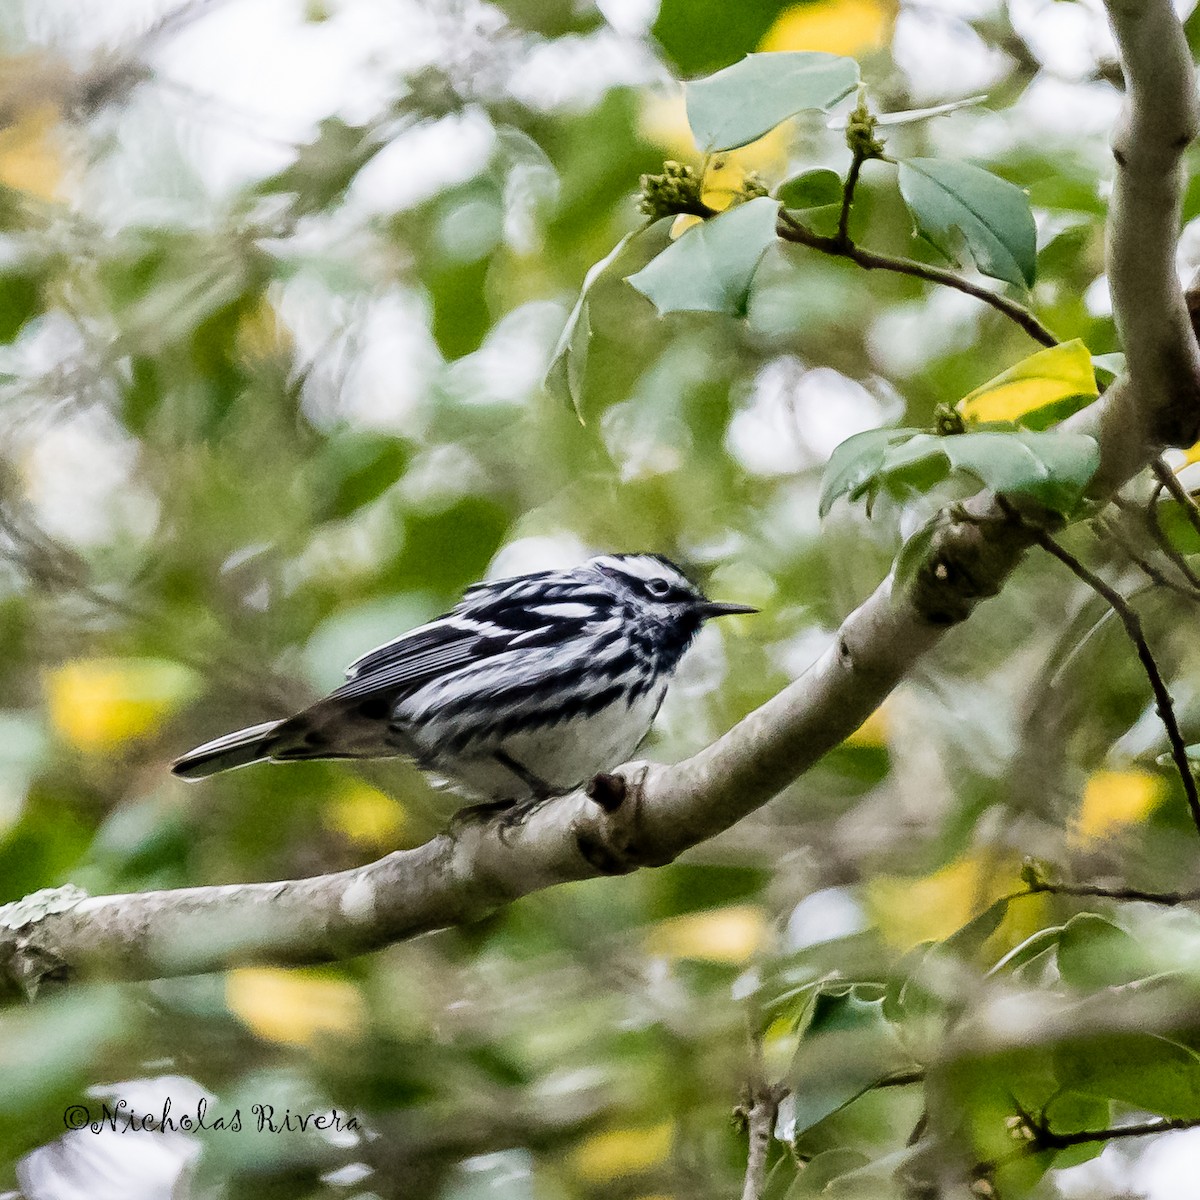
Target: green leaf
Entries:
(966, 942)
(568, 364)
(20, 299)
(699, 36)
(847, 1048)
(711, 266)
(1037, 391)
(913, 553)
(1052, 467)
(325, 167)
(359, 468)
(856, 462)
(1109, 365)
(1094, 953)
(823, 1169)
(1022, 955)
(811, 189)
(1138, 1069)
(739, 104)
(948, 199)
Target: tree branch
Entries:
(1045, 1140)
(757, 1114)
(659, 811)
(1095, 890)
(840, 246)
(1129, 618)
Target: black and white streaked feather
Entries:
(527, 688)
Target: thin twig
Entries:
(1133, 627)
(901, 1079)
(1045, 1140)
(1039, 1136)
(792, 230)
(1156, 576)
(1149, 515)
(1170, 481)
(1168, 899)
(843, 230)
(758, 1113)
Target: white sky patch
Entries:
(276, 64)
(799, 653)
(440, 475)
(795, 417)
(630, 17)
(390, 359)
(1078, 114)
(1068, 39)
(899, 338)
(79, 479)
(1098, 299)
(1187, 253)
(1161, 1168)
(551, 552)
(576, 71)
(823, 916)
(422, 161)
(942, 56)
(509, 366)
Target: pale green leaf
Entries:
(811, 189)
(711, 266)
(950, 199)
(568, 363)
(739, 104)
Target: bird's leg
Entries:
(511, 812)
(519, 811)
(538, 787)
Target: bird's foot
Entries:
(509, 815)
(479, 814)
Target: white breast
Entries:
(563, 756)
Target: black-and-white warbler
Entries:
(528, 688)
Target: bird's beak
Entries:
(715, 608)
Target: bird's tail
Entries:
(224, 753)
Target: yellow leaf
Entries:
(910, 911)
(294, 1007)
(682, 223)
(615, 1153)
(98, 704)
(365, 814)
(663, 120)
(835, 26)
(31, 154)
(260, 334)
(724, 935)
(1113, 799)
(722, 182)
(1048, 380)
(873, 731)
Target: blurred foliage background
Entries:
(279, 282)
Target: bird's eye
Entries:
(658, 587)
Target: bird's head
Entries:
(656, 587)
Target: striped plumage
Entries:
(527, 688)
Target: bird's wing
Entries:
(491, 619)
(425, 653)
